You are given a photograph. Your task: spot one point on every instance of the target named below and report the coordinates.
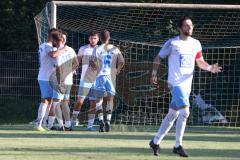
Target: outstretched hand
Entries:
(215, 68)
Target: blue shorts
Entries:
(46, 89)
(62, 96)
(180, 98)
(103, 86)
(85, 90)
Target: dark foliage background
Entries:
(17, 27)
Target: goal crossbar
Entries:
(146, 5)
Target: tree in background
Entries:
(17, 27)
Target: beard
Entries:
(187, 33)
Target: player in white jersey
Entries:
(45, 70)
(182, 52)
(50, 114)
(104, 86)
(116, 66)
(64, 80)
(88, 77)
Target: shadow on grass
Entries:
(119, 136)
(224, 153)
(139, 128)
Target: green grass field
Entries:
(21, 142)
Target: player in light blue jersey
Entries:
(104, 85)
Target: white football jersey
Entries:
(86, 52)
(63, 58)
(105, 54)
(45, 61)
(181, 60)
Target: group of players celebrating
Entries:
(100, 65)
(58, 62)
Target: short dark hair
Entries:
(93, 33)
(52, 30)
(62, 31)
(104, 36)
(182, 19)
(56, 38)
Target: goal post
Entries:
(53, 15)
(139, 30)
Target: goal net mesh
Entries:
(140, 32)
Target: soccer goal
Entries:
(139, 30)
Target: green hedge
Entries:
(16, 110)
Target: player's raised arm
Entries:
(61, 49)
(58, 52)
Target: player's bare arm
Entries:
(58, 52)
(214, 68)
(120, 63)
(156, 64)
(80, 59)
(93, 63)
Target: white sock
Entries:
(46, 115)
(99, 105)
(41, 113)
(66, 111)
(75, 115)
(51, 120)
(100, 116)
(68, 124)
(91, 118)
(58, 113)
(109, 116)
(60, 123)
(99, 108)
(181, 125)
(166, 125)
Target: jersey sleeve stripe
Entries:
(198, 55)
